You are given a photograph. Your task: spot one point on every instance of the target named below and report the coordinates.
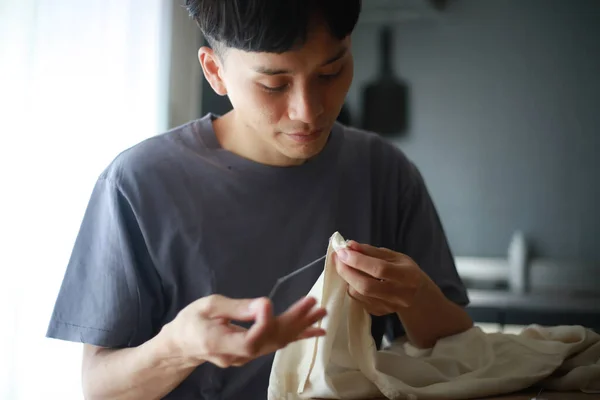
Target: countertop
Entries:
(506, 308)
(528, 395)
(535, 301)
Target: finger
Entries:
(372, 305)
(366, 285)
(301, 307)
(267, 334)
(376, 310)
(372, 251)
(311, 332)
(375, 267)
(399, 270)
(232, 340)
(240, 361)
(298, 311)
(399, 260)
(341, 264)
(300, 316)
(258, 334)
(235, 327)
(235, 361)
(314, 316)
(351, 274)
(226, 361)
(280, 331)
(223, 339)
(217, 306)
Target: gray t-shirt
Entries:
(176, 218)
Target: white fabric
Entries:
(345, 364)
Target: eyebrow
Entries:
(271, 71)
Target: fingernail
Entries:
(254, 305)
(343, 254)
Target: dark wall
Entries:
(505, 123)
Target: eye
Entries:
(277, 89)
(333, 75)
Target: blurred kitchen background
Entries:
(496, 101)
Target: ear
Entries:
(212, 68)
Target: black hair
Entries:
(273, 26)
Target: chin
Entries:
(303, 148)
(304, 154)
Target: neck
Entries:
(237, 137)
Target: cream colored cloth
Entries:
(345, 364)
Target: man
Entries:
(186, 232)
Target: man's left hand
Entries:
(383, 280)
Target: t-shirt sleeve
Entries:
(110, 285)
(421, 236)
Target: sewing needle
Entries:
(292, 274)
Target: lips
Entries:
(305, 137)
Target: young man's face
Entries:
(288, 101)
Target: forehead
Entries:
(320, 46)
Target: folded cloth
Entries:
(345, 364)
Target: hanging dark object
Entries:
(385, 100)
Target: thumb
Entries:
(217, 306)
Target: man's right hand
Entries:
(203, 330)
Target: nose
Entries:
(305, 105)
